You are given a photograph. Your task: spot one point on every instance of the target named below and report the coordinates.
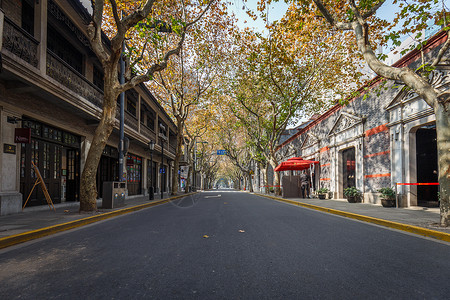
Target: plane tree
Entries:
(160, 26)
(273, 82)
(360, 19)
(188, 78)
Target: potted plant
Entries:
(322, 192)
(352, 194)
(387, 196)
(330, 195)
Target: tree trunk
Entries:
(188, 180)
(179, 150)
(88, 188)
(273, 163)
(202, 183)
(266, 179)
(443, 145)
(250, 183)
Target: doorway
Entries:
(47, 157)
(73, 174)
(427, 166)
(348, 168)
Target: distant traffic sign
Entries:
(221, 152)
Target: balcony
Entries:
(148, 133)
(70, 78)
(20, 43)
(131, 121)
(172, 149)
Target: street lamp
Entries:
(151, 146)
(163, 138)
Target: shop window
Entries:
(34, 156)
(57, 163)
(134, 167)
(22, 160)
(35, 127)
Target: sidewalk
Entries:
(422, 217)
(37, 217)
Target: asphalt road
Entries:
(232, 246)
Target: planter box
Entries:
(354, 199)
(388, 202)
(322, 196)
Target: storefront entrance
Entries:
(348, 168)
(107, 168)
(134, 174)
(48, 150)
(427, 166)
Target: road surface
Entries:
(227, 245)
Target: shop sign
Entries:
(7, 148)
(22, 135)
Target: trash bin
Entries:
(113, 194)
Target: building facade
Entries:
(52, 84)
(385, 136)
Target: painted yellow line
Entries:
(399, 226)
(42, 232)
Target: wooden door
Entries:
(73, 175)
(47, 157)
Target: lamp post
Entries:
(151, 146)
(163, 138)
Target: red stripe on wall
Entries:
(378, 175)
(324, 149)
(325, 179)
(325, 165)
(376, 154)
(376, 130)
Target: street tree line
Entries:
(239, 89)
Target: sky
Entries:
(275, 12)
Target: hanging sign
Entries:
(22, 135)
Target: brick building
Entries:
(52, 82)
(384, 136)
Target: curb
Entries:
(442, 236)
(46, 231)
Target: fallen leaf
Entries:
(66, 211)
(225, 203)
(205, 236)
(240, 230)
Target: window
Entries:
(98, 78)
(147, 117)
(28, 16)
(64, 50)
(131, 107)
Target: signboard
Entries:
(7, 148)
(162, 170)
(22, 135)
(221, 152)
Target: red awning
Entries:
(295, 165)
(295, 158)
